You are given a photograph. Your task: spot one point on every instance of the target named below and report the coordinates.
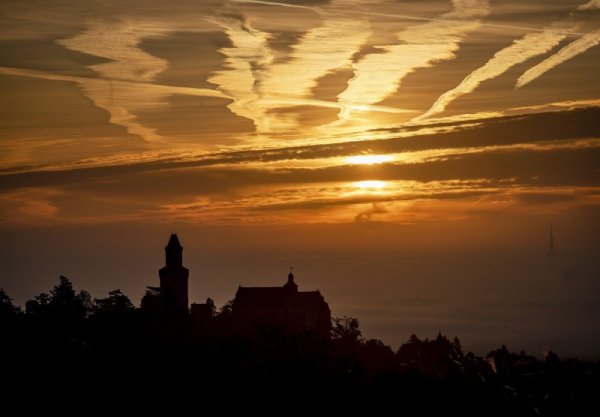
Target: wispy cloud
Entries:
(378, 75)
(34, 205)
(591, 5)
(121, 97)
(274, 3)
(258, 86)
(320, 50)
(247, 57)
(529, 46)
(367, 215)
(118, 41)
(573, 49)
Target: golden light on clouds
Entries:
(230, 104)
(370, 185)
(369, 159)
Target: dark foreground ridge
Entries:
(269, 351)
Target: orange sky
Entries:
(276, 119)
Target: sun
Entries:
(370, 185)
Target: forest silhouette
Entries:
(70, 346)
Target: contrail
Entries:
(571, 50)
(529, 46)
(592, 5)
(378, 75)
(162, 88)
(248, 56)
(319, 51)
(258, 86)
(187, 91)
(118, 41)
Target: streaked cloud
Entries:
(378, 75)
(33, 205)
(529, 46)
(118, 41)
(320, 50)
(481, 162)
(573, 49)
(289, 68)
(258, 86)
(591, 5)
(247, 57)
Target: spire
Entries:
(291, 285)
(173, 252)
(173, 242)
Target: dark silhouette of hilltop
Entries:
(269, 351)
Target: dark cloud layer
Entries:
(561, 166)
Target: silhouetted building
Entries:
(202, 313)
(174, 277)
(282, 307)
(254, 308)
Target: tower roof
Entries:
(290, 284)
(173, 242)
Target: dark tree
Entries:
(10, 324)
(65, 304)
(345, 329)
(115, 303)
(226, 309)
(151, 300)
(211, 307)
(114, 324)
(38, 307)
(58, 319)
(7, 308)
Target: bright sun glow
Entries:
(370, 185)
(369, 159)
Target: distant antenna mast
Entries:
(551, 249)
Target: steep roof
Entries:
(274, 298)
(174, 242)
(261, 297)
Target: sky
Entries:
(407, 158)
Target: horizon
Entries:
(425, 285)
(408, 159)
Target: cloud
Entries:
(259, 86)
(546, 197)
(367, 215)
(122, 98)
(571, 130)
(573, 49)
(118, 41)
(591, 5)
(529, 46)
(320, 50)
(378, 75)
(245, 60)
(274, 3)
(30, 205)
(151, 88)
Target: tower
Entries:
(174, 277)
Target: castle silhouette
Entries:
(253, 308)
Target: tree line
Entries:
(109, 345)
